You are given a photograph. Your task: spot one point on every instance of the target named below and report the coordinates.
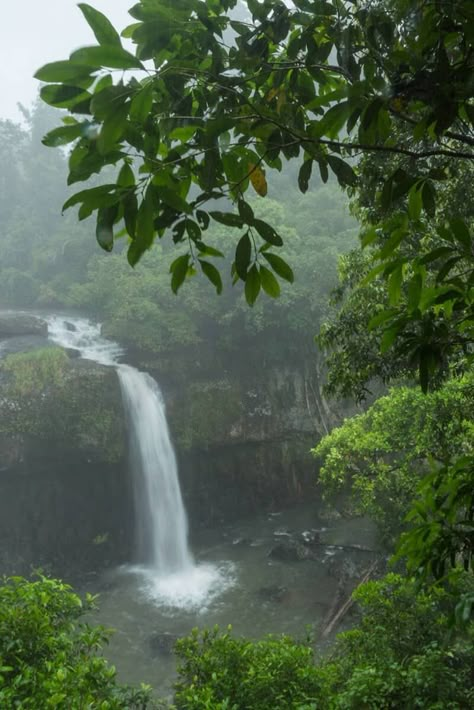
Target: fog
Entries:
(33, 33)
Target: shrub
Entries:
(48, 659)
(222, 672)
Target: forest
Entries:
(267, 207)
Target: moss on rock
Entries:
(74, 403)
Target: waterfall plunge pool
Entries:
(254, 593)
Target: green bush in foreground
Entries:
(222, 672)
(403, 654)
(48, 659)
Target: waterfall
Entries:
(162, 527)
(161, 524)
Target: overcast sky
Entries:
(34, 32)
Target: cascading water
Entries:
(161, 518)
(167, 564)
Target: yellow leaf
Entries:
(258, 180)
(271, 94)
(281, 100)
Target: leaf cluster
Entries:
(49, 658)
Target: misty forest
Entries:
(236, 361)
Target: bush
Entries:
(48, 659)
(221, 672)
(403, 653)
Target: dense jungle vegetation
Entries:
(192, 149)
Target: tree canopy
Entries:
(209, 104)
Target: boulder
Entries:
(162, 643)
(14, 324)
(291, 550)
(273, 593)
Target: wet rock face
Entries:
(15, 324)
(65, 498)
(243, 430)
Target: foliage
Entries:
(358, 350)
(355, 363)
(50, 261)
(35, 371)
(51, 659)
(45, 396)
(442, 525)
(381, 455)
(209, 117)
(402, 653)
(220, 671)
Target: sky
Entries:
(34, 32)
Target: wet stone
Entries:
(162, 643)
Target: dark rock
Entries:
(242, 541)
(71, 327)
(291, 550)
(14, 324)
(162, 643)
(311, 538)
(343, 569)
(72, 353)
(273, 593)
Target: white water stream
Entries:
(166, 564)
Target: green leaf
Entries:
(415, 287)
(461, 233)
(110, 56)
(415, 202)
(126, 177)
(342, 170)
(243, 255)
(227, 218)
(429, 198)
(252, 285)
(323, 169)
(142, 103)
(388, 339)
(193, 230)
(145, 228)
(212, 274)
(100, 196)
(63, 135)
(246, 212)
(381, 318)
(304, 175)
(104, 31)
(104, 231)
(179, 269)
(62, 95)
(279, 266)
(269, 283)
(268, 233)
(113, 128)
(130, 213)
(395, 285)
(206, 250)
(174, 200)
(65, 72)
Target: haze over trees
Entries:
(190, 134)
